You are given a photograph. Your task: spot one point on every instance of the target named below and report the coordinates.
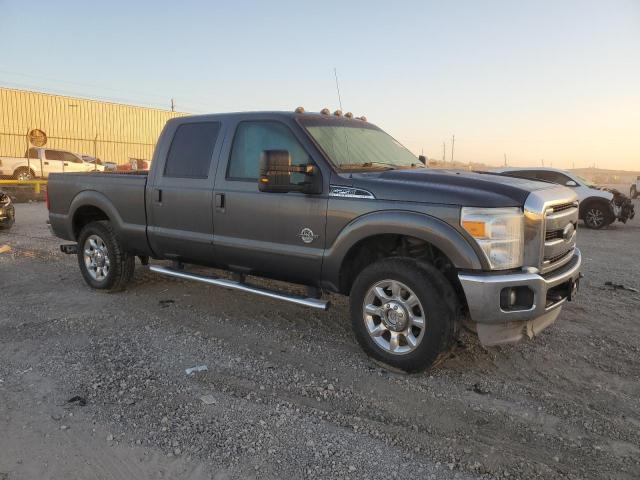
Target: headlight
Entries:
(499, 232)
(4, 199)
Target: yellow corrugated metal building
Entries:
(112, 132)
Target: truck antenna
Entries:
(335, 74)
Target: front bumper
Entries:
(495, 324)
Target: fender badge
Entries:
(307, 235)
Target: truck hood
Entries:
(453, 187)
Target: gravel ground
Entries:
(288, 393)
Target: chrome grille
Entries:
(561, 222)
(553, 234)
(563, 206)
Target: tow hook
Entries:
(69, 249)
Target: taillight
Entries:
(46, 197)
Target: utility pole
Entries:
(453, 142)
(444, 152)
(505, 159)
(542, 160)
(173, 106)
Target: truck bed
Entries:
(121, 196)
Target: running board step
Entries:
(244, 287)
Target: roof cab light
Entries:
(499, 232)
(299, 110)
(325, 111)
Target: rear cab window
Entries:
(191, 150)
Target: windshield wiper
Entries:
(386, 166)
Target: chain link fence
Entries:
(13, 144)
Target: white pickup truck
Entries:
(40, 162)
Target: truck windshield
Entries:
(356, 146)
(585, 181)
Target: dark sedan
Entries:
(7, 212)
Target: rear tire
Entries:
(103, 263)
(23, 173)
(404, 313)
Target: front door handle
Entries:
(46, 163)
(220, 202)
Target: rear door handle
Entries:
(65, 164)
(46, 163)
(220, 202)
(158, 195)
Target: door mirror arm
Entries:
(276, 170)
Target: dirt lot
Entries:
(288, 394)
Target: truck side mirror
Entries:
(423, 159)
(276, 170)
(571, 183)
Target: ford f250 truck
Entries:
(333, 203)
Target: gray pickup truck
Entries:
(333, 203)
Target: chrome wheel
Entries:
(96, 257)
(24, 175)
(394, 317)
(595, 217)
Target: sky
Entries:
(538, 81)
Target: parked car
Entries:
(599, 206)
(335, 204)
(40, 162)
(635, 189)
(7, 211)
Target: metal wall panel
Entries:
(111, 131)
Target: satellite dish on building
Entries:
(37, 138)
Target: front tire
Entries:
(103, 263)
(403, 313)
(596, 217)
(633, 192)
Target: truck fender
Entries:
(440, 234)
(92, 198)
(595, 200)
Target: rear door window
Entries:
(53, 155)
(530, 174)
(191, 150)
(554, 177)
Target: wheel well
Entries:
(375, 248)
(588, 202)
(31, 170)
(85, 215)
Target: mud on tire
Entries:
(121, 265)
(437, 306)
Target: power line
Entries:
(157, 104)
